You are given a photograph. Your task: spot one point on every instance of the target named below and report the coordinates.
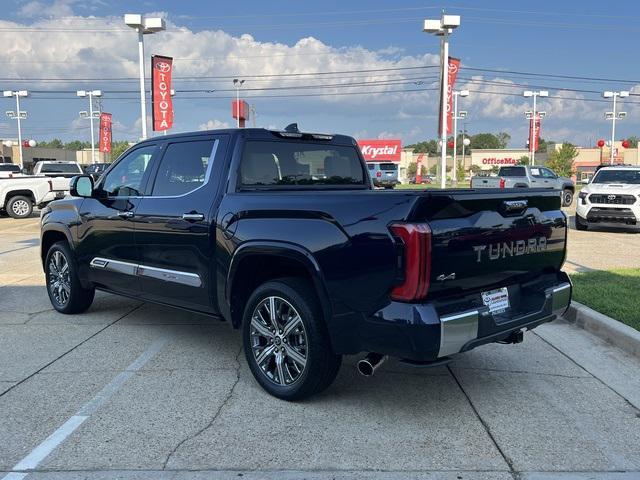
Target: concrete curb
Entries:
(604, 327)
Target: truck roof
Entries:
(262, 134)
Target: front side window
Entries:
(125, 179)
(184, 167)
(546, 173)
(288, 163)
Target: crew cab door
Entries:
(106, 249)
(175, 223)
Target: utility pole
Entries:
(17, 115)
(614, 115)
(533, 118)
(456, 116)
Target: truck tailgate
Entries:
(485, 182)
(491, 238)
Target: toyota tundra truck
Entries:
(281, 235)
(521, 176)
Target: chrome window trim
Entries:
(164, 274)
(207, 174)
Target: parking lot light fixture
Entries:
(144, 26)
(443, 28)
(613, 116)
(533, 116)
(17, 115)
(91, 115)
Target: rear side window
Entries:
(288, 163)
(513, 172)
(184, 167)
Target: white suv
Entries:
(612, 197)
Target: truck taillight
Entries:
(503, 182)
(416, 247)
(378, 174)
(50, 182)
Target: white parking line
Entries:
(42, 451)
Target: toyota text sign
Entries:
(380, 150)
(162, 112)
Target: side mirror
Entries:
(81, 186)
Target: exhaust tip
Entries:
(369, 364)
(365, 368)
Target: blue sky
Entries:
(64, 41)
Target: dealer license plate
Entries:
(497, 300)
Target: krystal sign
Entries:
(162, 113)
(381, 150)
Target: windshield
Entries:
(60, 168)
(388, 166)
(617, 176)
(299, 163)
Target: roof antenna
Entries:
(292, 128)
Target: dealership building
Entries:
(33, 155)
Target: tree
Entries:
(561, 160)
(55, 143)
(486, 140)
(427, 146)
(524, 160)
(77, 145)
(495, 169)
(460, 172)
(503, 138)
(633, 141)
(475, 169)
(118, 148)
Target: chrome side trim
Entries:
(114, 265)
(184, 278)
(126, 268)
(456, 330)
(560, 297)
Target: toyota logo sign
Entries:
(611, 197)
(163, 66)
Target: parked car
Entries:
(425, 180)
(612, 197)
(18, 195)
(383, 174)
(61, 173)
(9, 170)
(235, 224)
(522, 176)
(96, 169)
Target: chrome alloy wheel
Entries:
(20, 207)
(278, 341)
(59, 279)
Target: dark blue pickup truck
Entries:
(280, 234)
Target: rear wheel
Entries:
(581, 223)
(19, 206)
(567, 198)
(285, 340)
(63, 285)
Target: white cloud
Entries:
(213, 125)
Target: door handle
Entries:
(193, 217)
(125, 214)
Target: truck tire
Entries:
(63, 285)
(567, 197)
(288, 352)
(19, 206)
(581, 223)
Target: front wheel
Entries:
(19, 207)
(567, 198)
(63, 285)
(285, 340)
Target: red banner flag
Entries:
(534, 134)
(105, 132)
(162, 111)
(452, 72)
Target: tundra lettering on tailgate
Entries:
(495, 251)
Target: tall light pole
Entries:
(91, 115)
(17, 115)
(457, 115)
(144, 26)
(443, 28)
(534, 116)
(237, 83)
(614, 115)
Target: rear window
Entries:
(512, 172)
(60, 168)
(617, 176)
(388, 166)
(289, 163)
(9, 167)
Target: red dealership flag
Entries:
(534, 134)
(452, 72)
(162, 111)
(105, 132)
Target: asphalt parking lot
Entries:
(132, 390)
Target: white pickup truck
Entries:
(18, 195)
(59, 172)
